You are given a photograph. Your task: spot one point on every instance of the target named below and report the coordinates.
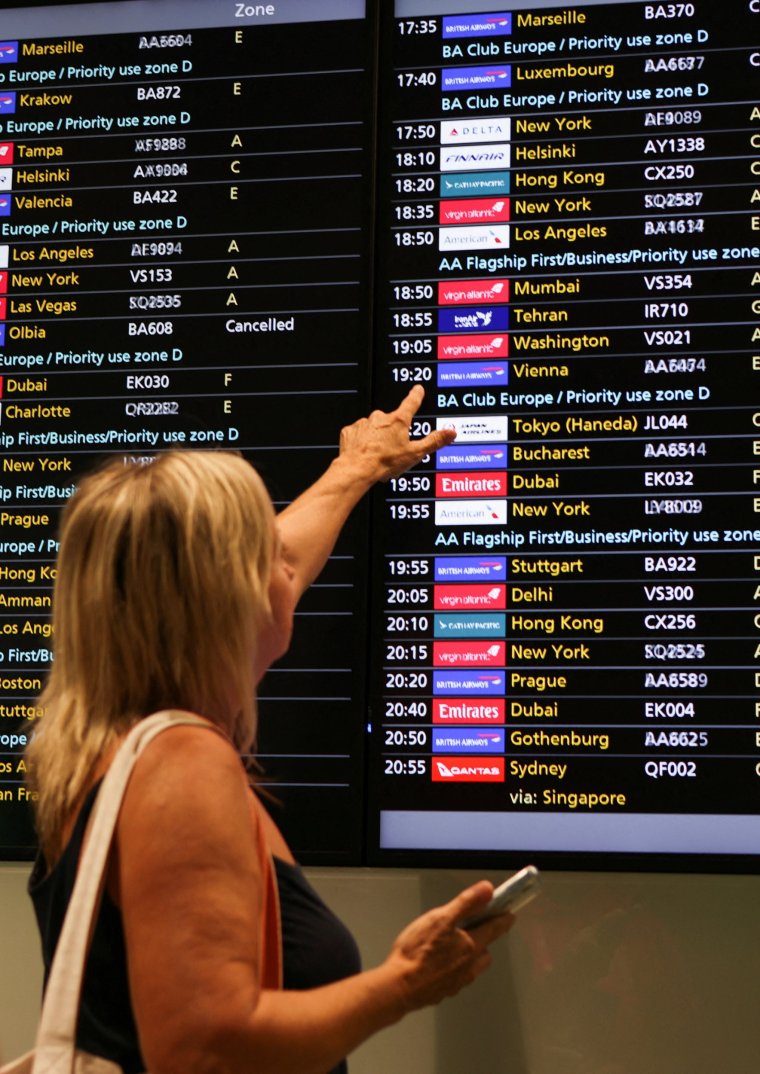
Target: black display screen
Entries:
(243, 225)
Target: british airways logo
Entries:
(448, 740)
(463, 457)
(498, 76)
(498, 24)
(471, 374)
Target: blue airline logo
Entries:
(470, 568)
(8, 51)
(451, 683)
(497, 76)
(7, 101)
(464, 740)
(497, 25)
(469, 626)
(474, 319)
(470, 374)
(472, 457)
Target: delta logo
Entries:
(453, 348)
(493, 483)
(467, 770)
(460, 710)
(473, 211)
(469, 654)
(468, 597)
(485, 129)
(472, 292)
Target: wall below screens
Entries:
(604, 974)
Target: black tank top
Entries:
(317, 949)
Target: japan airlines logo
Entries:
(6, 152)
(465, 770)
(8, 51)
(7, 102)
(472, 429)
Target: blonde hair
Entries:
(162, 584)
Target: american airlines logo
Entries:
(460, 710)
(469, 596)
(461, 131)
(473, 211)
(488, 237)
(493, 483)
(481, 157)
(466, 770)
(471, 292)
(480, 346)
(471, 513)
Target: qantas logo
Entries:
(465, 770)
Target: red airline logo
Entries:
(467, 346)
(487, 483)
(472, 292)
(468, 770)
(461, 710)
(474, 211)
(453, 597)
(469, 654)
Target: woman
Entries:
(176, 589)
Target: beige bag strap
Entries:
(56, 1032)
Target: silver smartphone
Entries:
(510, 896)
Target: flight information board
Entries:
(570, 594)
(184, 220)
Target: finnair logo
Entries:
(496, 155)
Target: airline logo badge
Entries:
(6, 178)
(472, 428)
(487, 129)
(498, 24)
(3, 281)
(474, 184)
(446, 740)
(8, 51)
(471, 292)
(6, 152)
(475, 158)
(469, 626)
(2, 335)
(475, 319)
(3, 308)
(469, 654)
(7, 101)
(463, 457)
(471, 513)
(489, 483)
(494, 237)
(472, 374)
(4, 251)
(467, 568)
(5, 205)
(463, 711)
(473, 211)
(467, 770)
(454, 682)
(470, 347)
(494, 76)
(469, 597)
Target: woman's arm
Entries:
(187, 877)
(372, 449)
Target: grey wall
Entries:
(604, 974)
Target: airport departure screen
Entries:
(242, 226)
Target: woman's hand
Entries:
(381, 445)
(435, 958)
